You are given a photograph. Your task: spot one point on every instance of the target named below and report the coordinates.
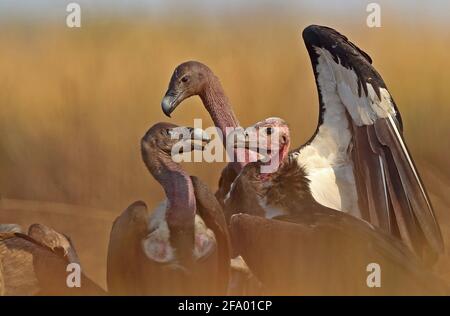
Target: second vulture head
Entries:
(188, 79)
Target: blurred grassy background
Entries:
(75, 102)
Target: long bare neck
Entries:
(219, 108)
(218, 105)
(178, 188)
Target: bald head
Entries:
(165, 141)
(270, 134)
(270, 138)
(188, 79)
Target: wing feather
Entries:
(390, 192)
(212, 214)
(302, 247)
(370, 180)
(410, 181)
(124, 262)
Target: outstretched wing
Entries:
(360, 117)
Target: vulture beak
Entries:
(199, 138)
(169, 103)
(173, 97)
(244, 142)
(251, 142)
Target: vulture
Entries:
(357, 160)
(194, 78)
(183, 246)
(275, 191)
(36, 264)
(296, 246)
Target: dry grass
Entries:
(74, 103)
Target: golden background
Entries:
(74, 104)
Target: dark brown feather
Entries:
(326, 252)
(369, 180)
(227, 176)
(29, 268)
(411, 183)
(211, 212)
(125, 252)
(380, 162)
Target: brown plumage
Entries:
(309, 248)
(31, 268)
(287, 189)
(326, 252)
(149, 259)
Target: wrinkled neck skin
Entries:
(219, 108)
(282, 158)
(178, 188)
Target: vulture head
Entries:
(166, 139)
(188, 79)
(270, 138)
(194, 78)
(57, 242)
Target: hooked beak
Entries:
(172, 99)
(199, 138)
(169, 103)
(242, 142)
(250, 142)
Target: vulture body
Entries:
(182, 248)
(296, 246)
(194, 78)
(30, 266)
(326, 252)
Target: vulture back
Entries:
(328, 253)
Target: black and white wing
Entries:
(360, 140)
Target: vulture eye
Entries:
(269, 131)
(185, 79)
